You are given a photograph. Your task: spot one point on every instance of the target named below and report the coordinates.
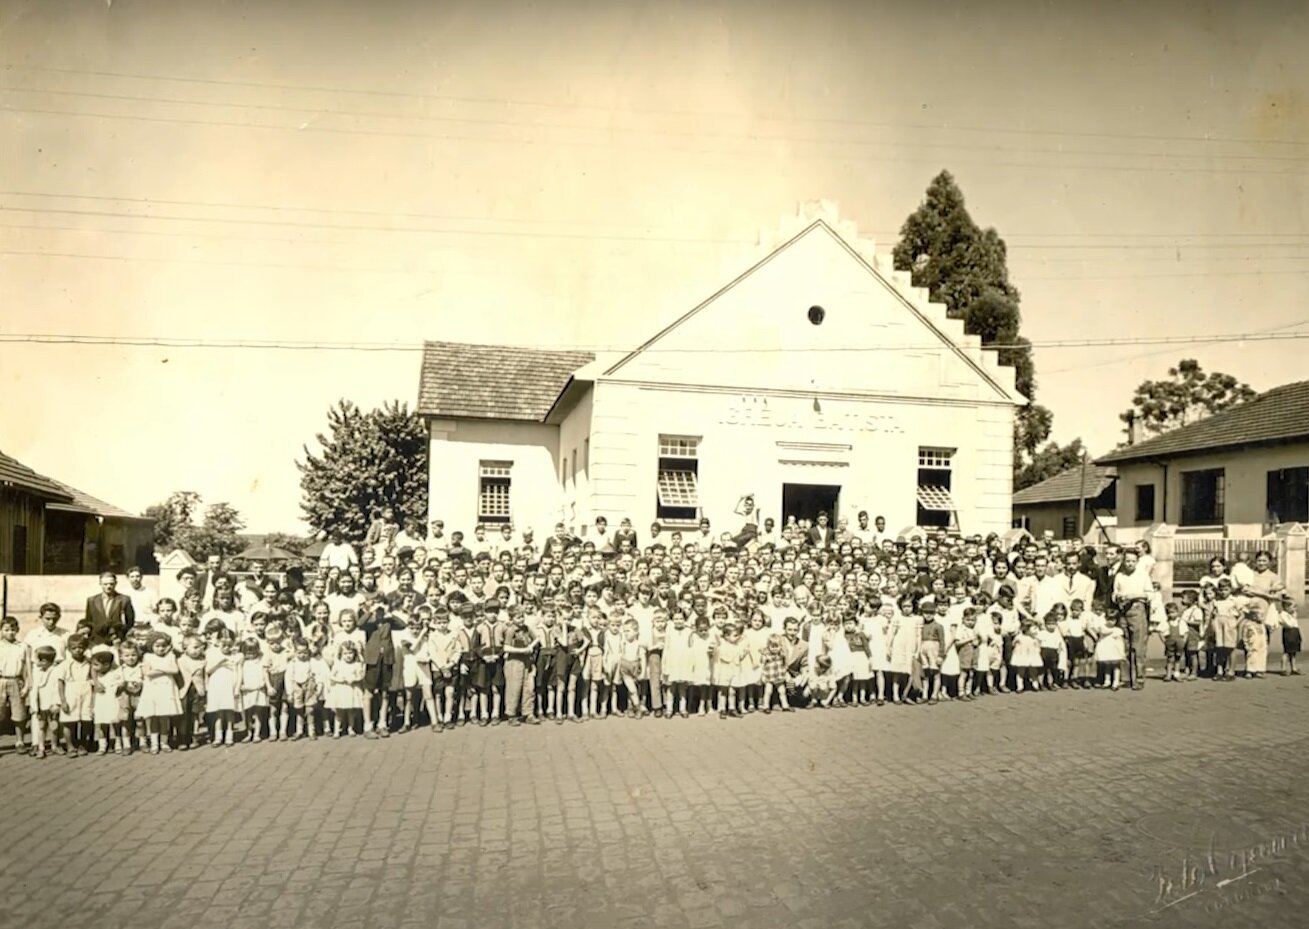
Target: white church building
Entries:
(817, 379)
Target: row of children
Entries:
(170, 685)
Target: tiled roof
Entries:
(1065, 486)
(86, 502)
(16, 473)
(493, 381)
(1278, 415)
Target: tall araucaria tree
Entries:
(965, 267)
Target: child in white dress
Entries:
(1025, 659)
(346, 694)
(874, 627)
(222, 685)
(160, 704)
(1110, 653)
(106, 681)
(254, 689)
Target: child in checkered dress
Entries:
(772, 672)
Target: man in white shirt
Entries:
(1064, 587)
(1133, 590)
(864, 532)
(1242, 573)
(338, 554)
(143, 600)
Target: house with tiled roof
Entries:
(816, 378)
(48, 527)
(1241, 473)
(1056, 504)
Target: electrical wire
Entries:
(610, 110)
(294, 345)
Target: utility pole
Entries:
(1081, 501)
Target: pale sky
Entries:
(581, 173)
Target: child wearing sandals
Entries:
(44, 699)
(159, 698)
(15, 679)
(106, 707)
(75, 712)
(1290, 623)
(254, 689)
(772, 672)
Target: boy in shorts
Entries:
(1174, 633)
(13, 682)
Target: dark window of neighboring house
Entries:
(1203, 497)
(1288, 495)
(18, 556)
(1145, 503)
(1070, 527)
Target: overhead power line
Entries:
(344, 243)
(348, 269)
(611, 109)
(821, 155)
(610, 128)
(463, 217)
(295, 345)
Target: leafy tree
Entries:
(966, 268)
(1187, 395)
(172, 517)
(1047, 462)
(175, 525)
(367, 461)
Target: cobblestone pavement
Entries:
(1182, 805)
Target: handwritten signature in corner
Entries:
(1215, 871)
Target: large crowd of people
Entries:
(411, 629)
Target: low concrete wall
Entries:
(23, 595)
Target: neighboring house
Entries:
(1237, 474)
(1052, 505)
(818, 379)
(23, 498)
(87, 536)
(48, 527)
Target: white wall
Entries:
(1245, 485)
(876, 464)
(458, 446)
(574, 435)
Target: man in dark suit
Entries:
(205, 580)
(109, 611)
(822, 535)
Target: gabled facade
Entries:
(818, 379)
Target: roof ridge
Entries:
(1179, 440)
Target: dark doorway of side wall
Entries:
(806, 501)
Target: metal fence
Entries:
(1191, 557)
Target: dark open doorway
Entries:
(806, 501)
